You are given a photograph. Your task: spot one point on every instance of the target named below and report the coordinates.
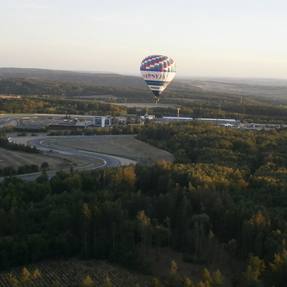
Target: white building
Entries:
(223, 122)
(147, 117)
(180, 119)
(102, 121)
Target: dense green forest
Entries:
(256, 205)
(222, 203)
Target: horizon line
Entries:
(203, 77)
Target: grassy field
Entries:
(71, 273)
(120, 145)
(16, 159)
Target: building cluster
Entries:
(220, 122)
(38, 121)
(57, 121)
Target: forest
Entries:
(58, 106)
(77, 94)
(223, 203)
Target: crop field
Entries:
(120, 145)
(71, 274)
(16, 159)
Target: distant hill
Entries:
(95, 79)
(252, 87)
(81, 84)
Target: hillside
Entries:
(251, 100)
(95, 79)
(262, 88)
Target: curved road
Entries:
(92, 160)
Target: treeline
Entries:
(10, 170)
(203, 143)
(22, 169)
(33, 277)
(33, 87)
(114, 130)
(4, 143)
(61, 106)
(28, 87)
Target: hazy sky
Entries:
(245, 38)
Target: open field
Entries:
(71, 273)
(52, 149)
(16, 159)
(120, 145)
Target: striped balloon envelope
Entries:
(158, 71)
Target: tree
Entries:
(108, 282)
(187, 282)
(44, 166)
(36, 274)
(13, 281)
(156, 283)
(144, 225)
(206, 275)
(87, 217)
(277, 276)
(25, 275)
(173, 267)
(254, 271)
(217, 279)
(87, 282)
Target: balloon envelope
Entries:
(158, 71)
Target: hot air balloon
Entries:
(158, 71)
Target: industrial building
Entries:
(178, 119)
(102, 121)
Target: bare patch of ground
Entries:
(16, 159)
(120, 145)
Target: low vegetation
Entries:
(4, 143)
(10, 170)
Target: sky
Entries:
(208, 38)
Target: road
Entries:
(44, 145)
(90, 160)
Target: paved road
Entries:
(43, 144)
(90, 160)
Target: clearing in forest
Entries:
(126, 146)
